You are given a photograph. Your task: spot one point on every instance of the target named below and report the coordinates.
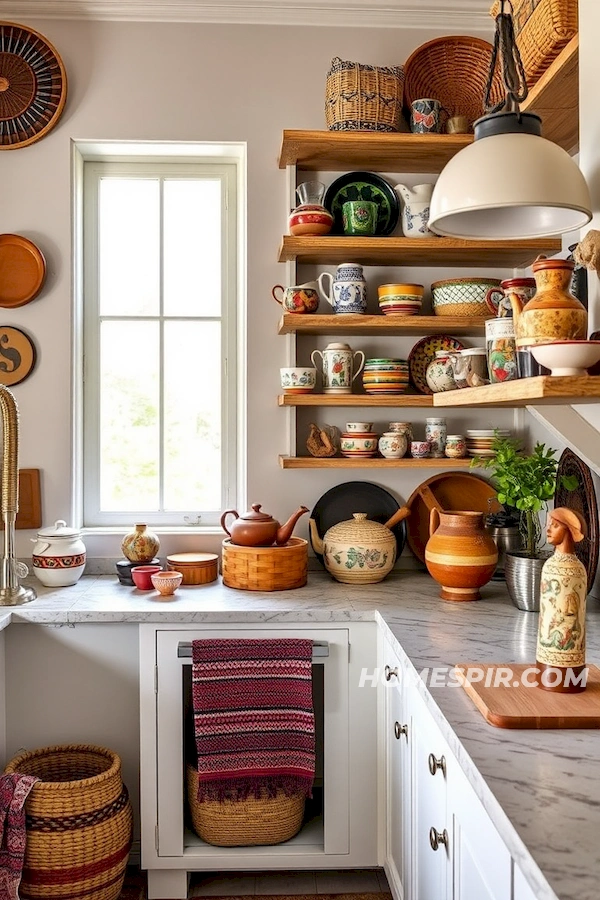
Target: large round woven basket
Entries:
(276, 568)
(244, 823)
(453, 70)
(78, 822)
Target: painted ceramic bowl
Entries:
(166, 583)
(298, 379)
(387, 290)
(420, 449)
(350, 443)
(567, 357)
(358, 427)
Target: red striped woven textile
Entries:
(253, 717)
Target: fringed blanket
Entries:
(14, 790)
(253, 717)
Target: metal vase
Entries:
(523, 575)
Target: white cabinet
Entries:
(522, 890)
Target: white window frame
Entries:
(91, 161)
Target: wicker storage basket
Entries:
(363, 98)
(453, 70)
(542, 29)
(244, 823)
(265, 568)
(79, 823)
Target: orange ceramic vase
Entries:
(552, 314)
(460, 555)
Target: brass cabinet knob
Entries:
(436, 838)
(435, 764)
(400, 730)
(390, 673)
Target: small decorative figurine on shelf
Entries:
(560, 653)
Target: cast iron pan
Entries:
(583, 501)
(339, 503)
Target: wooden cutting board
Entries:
(30, 500)
(516, 705)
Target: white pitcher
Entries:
(415, 209)
(339, 367)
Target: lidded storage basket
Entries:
(276, 568)
(244, 823)
(78, 823)
(363, 98)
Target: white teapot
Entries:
(415, 209)
(58, 555)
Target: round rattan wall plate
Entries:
(33, 86)
(17, 355)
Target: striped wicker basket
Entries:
(265, 568)
(363, 98)
(244, 823)
(79, 823)
(542, 29)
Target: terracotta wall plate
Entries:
(17, 355)
(33, 86)
(22, 270)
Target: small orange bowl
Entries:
(166, 583)
(386, 290)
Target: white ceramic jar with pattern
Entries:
(58, 555)
(392, 444)
(435, 433)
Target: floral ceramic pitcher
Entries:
(339, 367)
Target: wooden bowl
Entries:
(195, 568)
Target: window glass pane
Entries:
(129, 236)
(129, 416)
(192, 247)
(192, 372)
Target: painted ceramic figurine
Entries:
(561, 629)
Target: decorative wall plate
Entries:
(33, 86)
(583, 501)
(17, 355)
(363, 186)
(22, 270)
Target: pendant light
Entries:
(510, 183)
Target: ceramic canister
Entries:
(435, 433)
(393, 444)
(460, 554)
(58, 555)
(359, 551)
(456, 446)
(501, 349)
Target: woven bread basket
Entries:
(265, 568)
(244, 823)
(453, 70)
(363, 98)
(78, 823)
(542, 29)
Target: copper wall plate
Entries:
(17, 355)
(22, 271)
(33, 86)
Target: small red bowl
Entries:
(141, 577)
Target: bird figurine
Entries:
(322, 442)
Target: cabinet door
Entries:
(482, 863)
(397, 794)
(522, 889)
(430, 862)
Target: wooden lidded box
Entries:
(196, 568)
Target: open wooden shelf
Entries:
(297, 323)
(341, 462)
(343, 151)
(394, 400)
(402, 251)
(555, 97)
(549, 390)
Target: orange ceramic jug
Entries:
(552, 314)
(460, 554)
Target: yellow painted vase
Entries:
(460, 554)
(141, 545)
(552, 314)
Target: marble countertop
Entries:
(541, 788)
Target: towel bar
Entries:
(320, 649)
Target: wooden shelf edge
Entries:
(549, 390)
(297, 323)
(347, 400)
(341, 462)
(555, 97)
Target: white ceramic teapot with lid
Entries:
(58, 555)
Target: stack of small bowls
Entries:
(400, 299)
(385, 376)
(358, 440)
(480, 440)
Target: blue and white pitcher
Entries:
(415, 209)
(347, 292)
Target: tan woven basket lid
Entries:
(192, 559)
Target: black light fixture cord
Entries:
(513, 72)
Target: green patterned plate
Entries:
(363, 186)
(423, 353)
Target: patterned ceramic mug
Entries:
(425, 116)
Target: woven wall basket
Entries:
(244, 823)
(79, 823)
(363, 98)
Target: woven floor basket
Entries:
(453, 70)
(363, 98)
(542, 29)
(79, 823)
(244, 823)
(265, 568)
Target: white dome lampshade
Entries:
(510, 183)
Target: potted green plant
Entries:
(525, 483)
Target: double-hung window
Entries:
(160, 291)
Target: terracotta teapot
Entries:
(259, 529)
(552, 314)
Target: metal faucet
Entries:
(11, 592)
